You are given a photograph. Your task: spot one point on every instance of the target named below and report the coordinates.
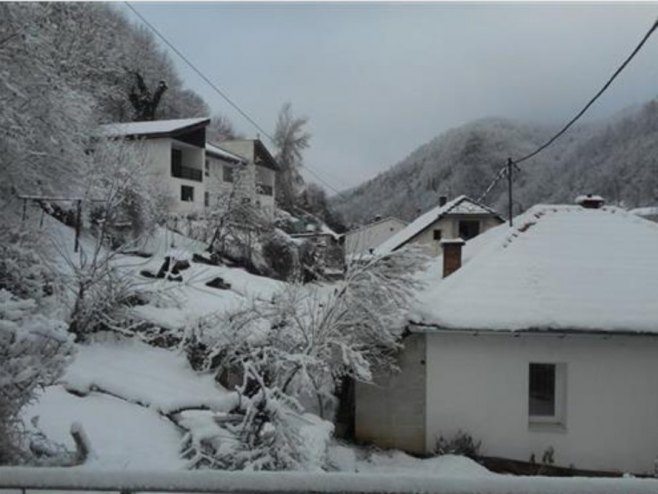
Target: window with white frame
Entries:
(546, 393)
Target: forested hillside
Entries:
(617, 158)
(65, 68)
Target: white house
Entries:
(460, 218)
(543, 336)
(193, 172)
(265, 166)
(368, 237)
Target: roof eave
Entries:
(418, 327)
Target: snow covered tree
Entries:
(34, 351)
(290, 139)
(220, 129)
(298, 348)
(236, 222)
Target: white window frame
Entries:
(559, 415)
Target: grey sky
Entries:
(378, 79)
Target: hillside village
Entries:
(177, 299)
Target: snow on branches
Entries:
(297, 349)
(34, 351)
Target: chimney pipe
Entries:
(443, 200)
(452, 255)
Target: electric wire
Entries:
(502, 172)
(215, 88)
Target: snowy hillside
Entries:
(617, 158)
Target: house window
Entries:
(228, 174)
(436, 234)
(207, 169)
(546, 392)
(469, 229)
(186, 193)
(206, 199)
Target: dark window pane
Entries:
(228, 174)
(542, 390)
(469, 229)
(437, 234)
(176, 157)
(187, 193)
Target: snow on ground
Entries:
(192, 299)
(126, 383)
(123, 436)
(137, 372)
(393, 462)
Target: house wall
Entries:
(370, 236)
(479, 384)
(266, 176)
(215, 184)
(158, 155)
(392, 413)
(449, 226)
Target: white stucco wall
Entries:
(392, 413)
(479, 384)
(158, 155)
(449, 226)
(370, 236)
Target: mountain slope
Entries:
(617, 158)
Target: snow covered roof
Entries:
(560, 268)
(154, 128)
(215, 150)
(459, 205)
(376, 222)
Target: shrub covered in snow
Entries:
(34, 351)
(300, 346)
(461, 443)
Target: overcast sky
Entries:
(377, 80)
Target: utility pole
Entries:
(510, 166)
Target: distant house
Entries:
(258, 156)
(193, 172)
(460, 218)
(542, 339)
(365, 238)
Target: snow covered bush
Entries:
(281, 255)
(297, 348)
(267, 430)
(461, 443)
(34, 351)
(21, 270)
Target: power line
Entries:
(506, 171)
(596, 96)
(219, 91)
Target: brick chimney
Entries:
(443, 200)
(452, 255)
(590, 201)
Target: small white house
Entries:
(368, 237)
(542, 337)
(460, 218)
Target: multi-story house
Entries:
(194, 173)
